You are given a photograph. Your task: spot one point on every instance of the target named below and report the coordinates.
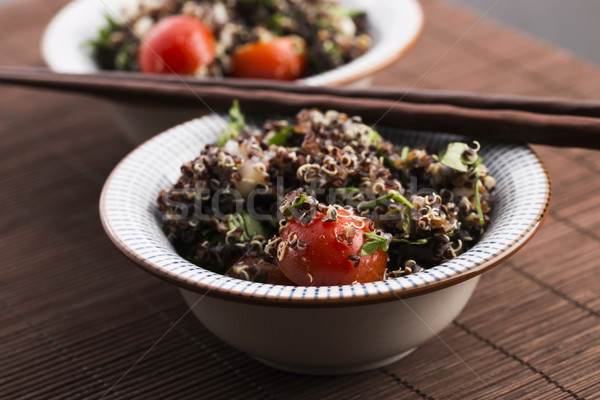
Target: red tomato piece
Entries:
(282, 58)
(177, 44)
(326, 253)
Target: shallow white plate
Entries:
(394, 25)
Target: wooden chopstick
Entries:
(487, 101)
(555, 122)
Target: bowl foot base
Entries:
(333, 370)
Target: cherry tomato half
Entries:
(328, 254)
(177, 44)
(282, 58)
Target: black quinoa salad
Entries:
(324, 200)
(323, 34)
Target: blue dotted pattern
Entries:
(129, 212)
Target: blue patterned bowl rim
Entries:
(130, 218)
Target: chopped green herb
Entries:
(276, 22)
(391, 195)
(417, 242)
(123, 59)
(477, 162)
(386, 159)
(344, 195)
(105, 49)
(282, 137)
(236, 125)
(300, 201)
(478, 201)
(404, 153)
(251, 226)
(297, 204)
(324, 23)
(372, 136)
(103, 39)
(476, 172)
(453, 157)
(332, 49)
(375, 242)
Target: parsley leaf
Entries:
(375, 242)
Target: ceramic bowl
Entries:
(330, 329)
(395, 26)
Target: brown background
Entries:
(75, 316)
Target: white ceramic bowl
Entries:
(394, 25)
(330, 329)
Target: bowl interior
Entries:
(394, 24)
(130, 217)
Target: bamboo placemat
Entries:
(75, 315)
